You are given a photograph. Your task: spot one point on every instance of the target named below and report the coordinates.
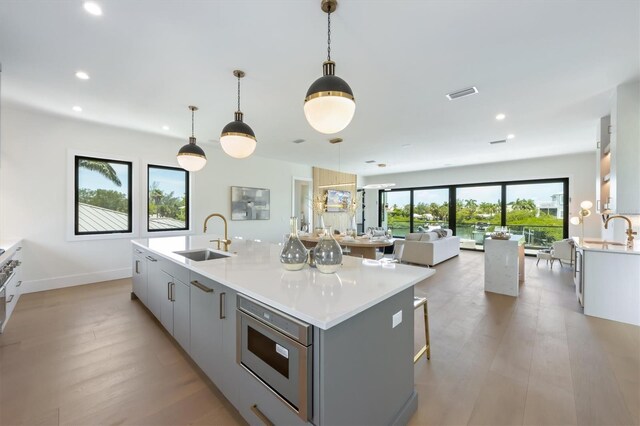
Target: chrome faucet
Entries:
(630, 232)
(226, 240)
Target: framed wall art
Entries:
(250, 203)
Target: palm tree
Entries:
(101, 167)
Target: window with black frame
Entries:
(167, 199)
(102, 198)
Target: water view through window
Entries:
(537, 212)
(534, 209)
(478, 212)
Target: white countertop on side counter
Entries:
(323, 300)
(9, 247)
(596, 244)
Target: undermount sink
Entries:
(604, 243)
(202, 255)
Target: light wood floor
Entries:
(90, 355)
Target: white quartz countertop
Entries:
(323, 300)
(596, 244)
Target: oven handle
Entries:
(259, 414)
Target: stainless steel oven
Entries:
(277, 350)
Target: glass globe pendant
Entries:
(329, 105)
(237, 138)
(191, 157)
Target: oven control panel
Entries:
(280, 321)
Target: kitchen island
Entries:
(353, 363)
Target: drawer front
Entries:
(178, 272)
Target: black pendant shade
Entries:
(238, 128)
(191, 149)
(329, 84)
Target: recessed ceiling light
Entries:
(370, 161)
(82, 75)
(497, 142)
(165, 128)
(92, 7)
(297, 141)
(500, 117)
(382, 165)
(76, 108)
(511, 136)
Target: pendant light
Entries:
(237, 138)
(329, 105)
(191, 157)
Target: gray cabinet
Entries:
(139, 275)
(213, 333)
(155, 286)
(206, 328)
(175, 307)
(259, 406)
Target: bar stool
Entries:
(417, 302)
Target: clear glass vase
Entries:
(327, 253)
(294, 254)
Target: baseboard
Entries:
(74, 280)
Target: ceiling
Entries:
(550, 66)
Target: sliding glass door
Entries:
(536, 211)
(430, 209)
(534, 208)
(396, 211)
(478, 211)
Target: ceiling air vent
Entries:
(335, 140)
(298, 141)
(462, 93)
(496, 142)
(370, 161)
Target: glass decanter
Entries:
(327, 253)
(294, 254)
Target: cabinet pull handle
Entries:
(138, 251)
(223, 300)
(173, 292)
(19, 284)
(19, 248)
(202, 287)
(152, 259)
(261, 415)
(169, 290)
(137, 266)
(10, 299)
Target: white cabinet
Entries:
(13, 286)
(624, 176)
(156, 286)
(611, 286)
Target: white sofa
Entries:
(427, 248)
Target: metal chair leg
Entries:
(427, 346)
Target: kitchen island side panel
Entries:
(351, 351)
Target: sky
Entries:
(168, 180)
(488, 194)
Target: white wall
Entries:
(579, 168)
(33, 193)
